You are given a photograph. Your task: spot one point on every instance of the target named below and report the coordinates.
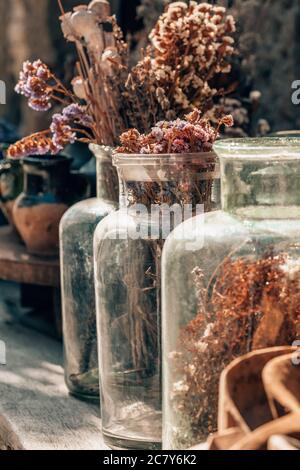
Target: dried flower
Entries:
(34, 84)
(191, 44)
(180, 136)
(76, 113)
(40, 143)
(80, 88)
(262, 312)
(61, 131)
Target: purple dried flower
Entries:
(180, 136)
(40, 104)
(180, 146)
(159, 149)
(145, 150)
(77, 113)
(33, 84)
(157, 133)
(62, 133)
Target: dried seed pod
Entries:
(101, 8)
(176, 5)
(79, 88)
(110, 57)
(66, 26)
(111, 54)
(83, 22)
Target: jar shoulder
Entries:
(87, 211)
(116, 224)
(194, 234)
(221, 232)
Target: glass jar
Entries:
(235, 288)
(77, 272)
(128, 246)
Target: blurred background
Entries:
(268, 39)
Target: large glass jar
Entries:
(77, 273)
(128, 246)
(235, 288)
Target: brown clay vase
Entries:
(49, 190)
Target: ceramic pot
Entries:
(11, 184)
(49, 190)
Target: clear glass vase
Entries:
(77, 272)
(128, 246)
(234, 290)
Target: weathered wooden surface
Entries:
(18, 266)
(36, 412)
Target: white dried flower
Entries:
(208, 330)
(263, 127)
(109, 59)
(180, 387)
(255, 96)
(201, 346)
(66, 26)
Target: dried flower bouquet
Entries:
(183, 182)
(190, 46)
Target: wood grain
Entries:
(36, 412)
(19, 266)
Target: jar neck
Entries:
(260, 188)
(107, 177)
(107, 181)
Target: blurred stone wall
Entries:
(270, 42)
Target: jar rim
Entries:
(46, 160)
(277, 148)
(102, 153)
(126, 159)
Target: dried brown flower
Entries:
(192, 135)
(191, 44)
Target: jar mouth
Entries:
(47, 160)
(102, 152)
(275, 148)
(129, 159)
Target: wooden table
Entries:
(36, 412)
(19, 266)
